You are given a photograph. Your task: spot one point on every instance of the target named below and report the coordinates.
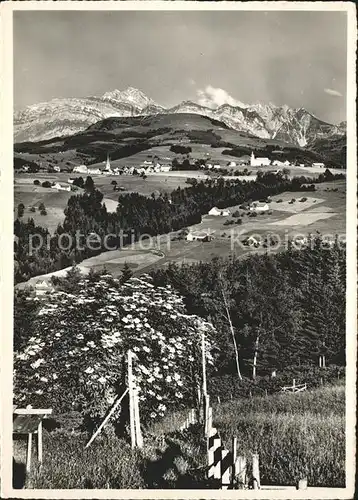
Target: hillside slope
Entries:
(124, 137)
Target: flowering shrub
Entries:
(77, 358)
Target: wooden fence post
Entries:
(240, 468)
(39, 442)
(131, 398)
(29, 451)
(302, 484)
(206, 413)
(138, 431)
(214, 455)
(234, 455)
(256, 471)
(225, 469)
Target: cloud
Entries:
(333, 92)
(212, 97)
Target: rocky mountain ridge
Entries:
(63, 117)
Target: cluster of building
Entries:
(147, 167)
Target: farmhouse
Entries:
(251, 241)
(258, 162)
(95, 171)
(57, 168)
(219, 211)
(232, 164)
(319, 165)
(259, 207)
(198, 236)
(166, 168)
(59, 187)
(279, 163)
(81, 169)
(43, 287)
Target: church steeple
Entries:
(108, 164)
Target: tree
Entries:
(89, 185)
(126, 273)
(226, 307)
(36, 182)
(73, 360)
(20, 210)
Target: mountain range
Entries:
(68, 116)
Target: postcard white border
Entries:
(6, 233)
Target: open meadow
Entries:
(294, 434)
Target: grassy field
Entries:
(295, 435)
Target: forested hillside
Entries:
(286, 309)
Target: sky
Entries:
(293, 58)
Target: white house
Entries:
(57, 168)
(258, 162)
(80, 169)
(60, 188)
(219, 211)
(319, 165)
(166, 168)
(209, 166)
(198, 236)
(279, 163)
(217, 167)
(43, 287)
(98, 171)
(253, 242)
(232, 164)
(259, 207)
(70, 180)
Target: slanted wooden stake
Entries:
(113, 409)
(131, 398)
(256, 471)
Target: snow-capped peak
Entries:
(131, 96)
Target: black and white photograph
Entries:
(179, 259)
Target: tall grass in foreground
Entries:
(107, 463)
(295, 435)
